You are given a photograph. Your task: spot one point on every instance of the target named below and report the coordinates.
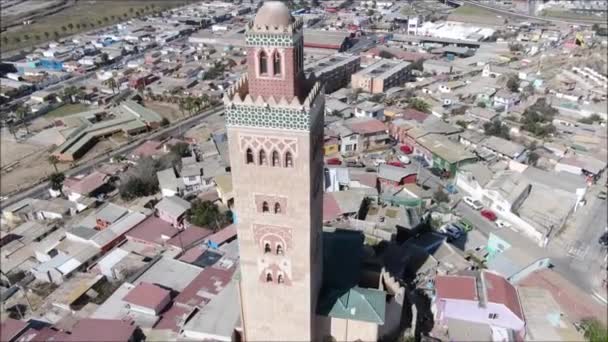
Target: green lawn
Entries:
(473, 11)
(67, 109)
(84, 15)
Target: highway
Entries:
(39, 189)
(588, 22)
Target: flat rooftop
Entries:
(384, 68)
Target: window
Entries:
(279, 250)
(267, 248)
(268, 278)
(276, 63)
(493, 316)
(263, 63)
(277, 208)
(262, 157)
(288, 159)
(275, 158)
(265, 207)
(280, 279)
(249, 156)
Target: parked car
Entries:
(352, 163)
(395, 163)
(452, 232)
(489, 214)
(379, 161)
(406, 149)
(473, 203)
(502, 224)
(466, 225)
(333, 161)
(404, 159)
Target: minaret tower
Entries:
(274, 118)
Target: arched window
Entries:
(267, 248)
(265, 207)
(268, 278)
(288, 159)
(249, 156)
(277, 208)
(276, 63)
(263, 62)
(279, 250)
(262, 157)
(280, 279)
(275, 159)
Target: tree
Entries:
(104, 58)
(111, 82)
(516, 47)
(37, 37)
(5, 40)
(440, 196)
(26, 37)
(462, 124)
(386, 54)
(594, 331)
(56, 181)
(513, 83)
(164, 122)
(71, 26)
(207, 214)
(533, 158)
(17, 40)
(181, 149)
(78, 26)
(46, 34)
(537, 119)
(418, 65)
(22, 112)
(419, 104)
(56, 34)
(69, 93)
(481, 104)
(53, 160)
(496, 128)
(591, 119)
(64, 29)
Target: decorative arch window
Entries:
(275, 158)
(280, 279)
(263, 60)
(277, 208)
(267, 248)
(288, 159)
(262, 157)
(265, 207)
(276, 63)
(268, 278)
(279, 249)
(249, 157)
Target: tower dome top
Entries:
(273, 13)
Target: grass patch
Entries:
(474, 11)
(80, 17)
(67, 109)
(570, 15)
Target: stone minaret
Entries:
(274, 118)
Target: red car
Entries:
(395, 163)
(489, 214)
(406, 149)
(333, 161)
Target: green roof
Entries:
(359, 304)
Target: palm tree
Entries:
(56, 34)
(99, 22)
(53, 160)
(125, 14)
(78, 26)
(26, 37)
(63, 28)
(22, 112)
(111, 82)
(106, 19)
(56, 180)
(71, 26)
(47, 35)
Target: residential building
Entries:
(334, 71)
(371, 134)
(484, 298)
(503, 148)
(368, 109)
(172, 209)
(381, 76)
(390, 175)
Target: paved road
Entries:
(585, 22)
(178, 128)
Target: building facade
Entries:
(274, 119)
(381, 76)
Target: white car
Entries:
(473, 203)
(379, 161)
(404, 159)
(502, 224)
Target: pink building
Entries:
(148, 299)
(483, 297)
(173, 209)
